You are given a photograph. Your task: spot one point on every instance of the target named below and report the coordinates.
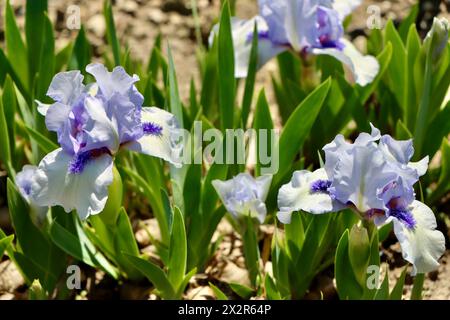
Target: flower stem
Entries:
(251, 251)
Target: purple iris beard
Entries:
(79, 161)
(152, 129)
(398, 210)
(321, 186)
(27, 189)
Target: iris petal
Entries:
(86, 192)
(299, 194)
(66, 87)
(166, 145)
(422, 245)
(363, 68)
(244, 195)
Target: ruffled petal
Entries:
(255, 209)
(226, 190)
(56, 116)
(24, 180)
(100, 130)
(396, 150)
(397, 194)
(398, 155)
(338, 146)
(244, 195)
(365, 138)
(292, 23)
(359, 175)
(86, 192)
(274, 13)
(421, 166)
(363, 68)
(42, 108)
(262, 186)
(66, 87)
(127, 116)
(161, 136)
(117, 81)
(300, 194)
(422, 245)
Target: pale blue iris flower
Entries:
(375, 177)
(93, 122)
(304, 26)
(244, 195)
(24, 181)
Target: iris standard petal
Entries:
(363, 68)
(262, 186)
(227, 193)
(161, 136)
(244, 195)
(224, 189)
(359, 175)
(56, 116)
(124, 113)
(365, 138)
(42, 107)
(274, 13)
(422, 245)
(24, 181)
(66, 87)
(396, 150)
(397, 195)
(86, 192)
(117, 81)
(301, 23)
(333, 151)
(339, 146)
(100, 130)
(398, 154)
(421, 166)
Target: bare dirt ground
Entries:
(138, 23)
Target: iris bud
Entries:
(114, 203)
(359, 252)
(436, 40)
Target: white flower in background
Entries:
(244, 195)
(308, 27)
(24, 180)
